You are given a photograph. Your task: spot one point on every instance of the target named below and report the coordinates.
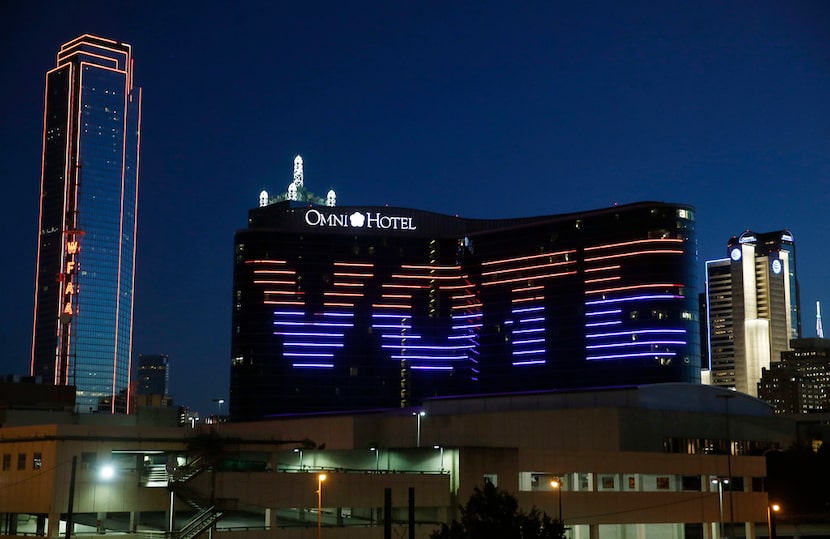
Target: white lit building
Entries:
(752, 308)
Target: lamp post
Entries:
(771, 510)
(71, 502)
(300, 453)
(720, 481)
(377, 457)
(441, 449)
(105, 473)
(557, 484)
(320, 478)
(219, 403)
(418, 416)
(726, 397)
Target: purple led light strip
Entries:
(633, 332)
(624, 356)
(598, 324)
(636, 343)
(533, 362)
(601, 313)
(313, 365)
(426, 347)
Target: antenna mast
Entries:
(819, 331)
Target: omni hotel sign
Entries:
(373, 220)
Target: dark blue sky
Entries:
(482, 109)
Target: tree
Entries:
(494, 514)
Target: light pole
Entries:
(377, 457)
(320, 478)
(71, 502)
(719, 482)
(418, 416)
(441, 449)
(557, 484)
(300, 453)
(771, 510)
(219, 403)
(726, 397)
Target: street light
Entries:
(219, 403)
(441, 449)
(720, 481)
(320, 478)
(377, 457)
(771, 510)
(106, 472)
(557, 484)
(726, 398)
(300, 452)
(418, 416)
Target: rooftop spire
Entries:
(819, 331)
(297, 192)
(298, 171)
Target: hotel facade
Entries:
(86, 241)
(346, 308)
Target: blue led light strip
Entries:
(632, 355)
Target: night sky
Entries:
(481, 109)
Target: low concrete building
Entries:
(661, 461)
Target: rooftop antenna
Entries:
(819, 331)
(298, 171)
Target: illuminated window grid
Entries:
(350, 279)
(528, 269)
(527, 322)
(310, 342)
(393, 319)
(527, 326)
(278, 281)
(604, 300)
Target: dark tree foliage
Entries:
(494, 514)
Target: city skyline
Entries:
(474, 110)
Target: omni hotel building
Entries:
(349, 308)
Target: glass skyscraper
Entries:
(86, 240)
(153, 374)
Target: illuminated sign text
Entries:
(374, 220)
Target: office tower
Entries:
(86, 249)
(753, 308)
(374, 307)
(800, 382)
(153, 374)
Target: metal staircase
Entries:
(207, 511)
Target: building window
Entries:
(7, 462)
(88, 460)
(692, 482)
(492, 479)
(21, 461)
(37, 461)
(607, 482)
